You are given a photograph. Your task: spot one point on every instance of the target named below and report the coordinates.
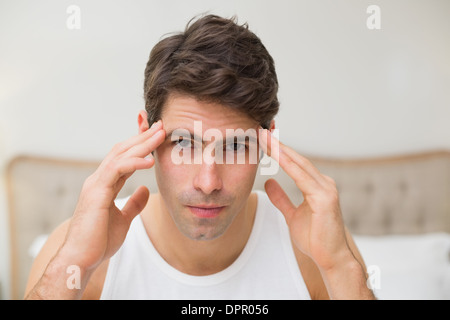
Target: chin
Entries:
(204, 233)
(205, 229)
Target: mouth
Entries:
(210, 211)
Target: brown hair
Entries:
(216, 60)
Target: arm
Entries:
(97, 228)
(316, 226)
(349, 279)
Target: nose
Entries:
(208, 178)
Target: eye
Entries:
(236, 147)
(183, 143)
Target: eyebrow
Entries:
(190, 136)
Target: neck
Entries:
(196, 257)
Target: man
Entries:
(205, 235)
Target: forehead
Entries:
(181, 111)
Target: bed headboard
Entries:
(401, 195)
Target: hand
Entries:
(316, 226)
(98, 228)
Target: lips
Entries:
(206, 211)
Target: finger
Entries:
(123, 178)
(121, 167)
(303, 162)
(304, 181)
(127, 144)
(136, 158)
(145, 147)
(279, 198)
(136, 203)
(267, 144)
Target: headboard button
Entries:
(368, 188)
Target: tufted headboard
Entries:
(401, 195)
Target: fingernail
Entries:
(156, 123)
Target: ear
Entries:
(272, 125)
(142, 121)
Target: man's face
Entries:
(203, 198)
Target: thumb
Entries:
(279, 198)
(136, 203)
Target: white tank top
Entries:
(265, 269)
